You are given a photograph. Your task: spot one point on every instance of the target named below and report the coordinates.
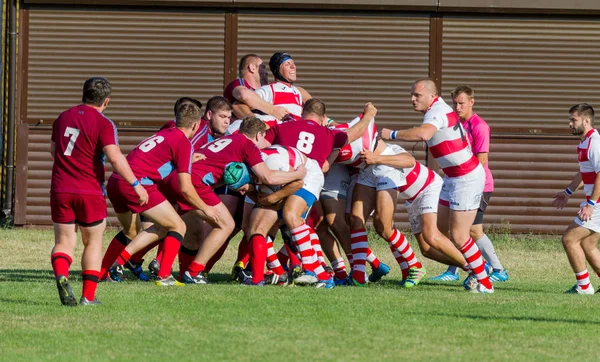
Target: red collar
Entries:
(432, 102)
(587, 135)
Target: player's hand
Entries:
(368, 157)
(198, 157)
(142, 194)
(560, 200)
(585, 212)
(265, 199)
(300, 172)
(280, 112)
(386, 134)
(213, 215)
(370, 110)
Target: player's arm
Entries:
(358, 129)
(241, 110)
(253, 101)
(188, 191)
(401, 160)
(330, 160)
(281, 194)
(483, 158)
(304, 93)
(52, 148)
(117, 159)
(561, 197)
(276, 177)
(423, 132)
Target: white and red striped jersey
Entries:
(283, 95)
(449, 145)
(350, 153)
(282, 158)
(418, 177)
(588, 155)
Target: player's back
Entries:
(228, 91)
(202, 136)
(309, 137)
(226, 149)
(157, 156)
(282, 158)
(350, 153)
(79, 135)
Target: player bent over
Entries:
(81, 136)
(240, 147)
(151, 161)
(421, 192)
(580, 239)
(311, 137)
(263, 220)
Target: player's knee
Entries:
(356, 222)
(291, 219)
(178, 226)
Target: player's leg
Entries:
(195, 232)
(61, 257)
(460, 226)
(91, 260)
(260, 223)
(572, 243)
(118, 243)
(364, 199)
(384, 225)
(217, 236)
(294, 208)
(488, 251)
(592, 253)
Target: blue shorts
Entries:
(307, 196)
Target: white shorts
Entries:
(337, 182)
(594, 223)
(426, 202)
(381, 177)
(314, 179)
(464, 192)
(353, 180)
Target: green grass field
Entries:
(527, 319)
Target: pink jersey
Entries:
(234, 148)
(228, 92)
(79, 135)
(282, 158)
(350, 153)
(479, 134)
(156, 157)
(309, 137)
(284, 95)
(588, 155)
(449, 145)
(202, 136)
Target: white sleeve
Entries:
(265, 92)
(434, 119)
(594, 155)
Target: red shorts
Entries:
(77, 208)
(124, 199)
(207, 195)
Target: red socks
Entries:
(61, 263)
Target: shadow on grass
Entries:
(23, 301)
(28, 275)
(515, 318)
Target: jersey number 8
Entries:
(305, 142)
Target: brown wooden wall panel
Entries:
(151, 57)
(39, 171)
(347, 60)
(526, 72)
(528, 172)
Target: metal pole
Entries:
(10, 137)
